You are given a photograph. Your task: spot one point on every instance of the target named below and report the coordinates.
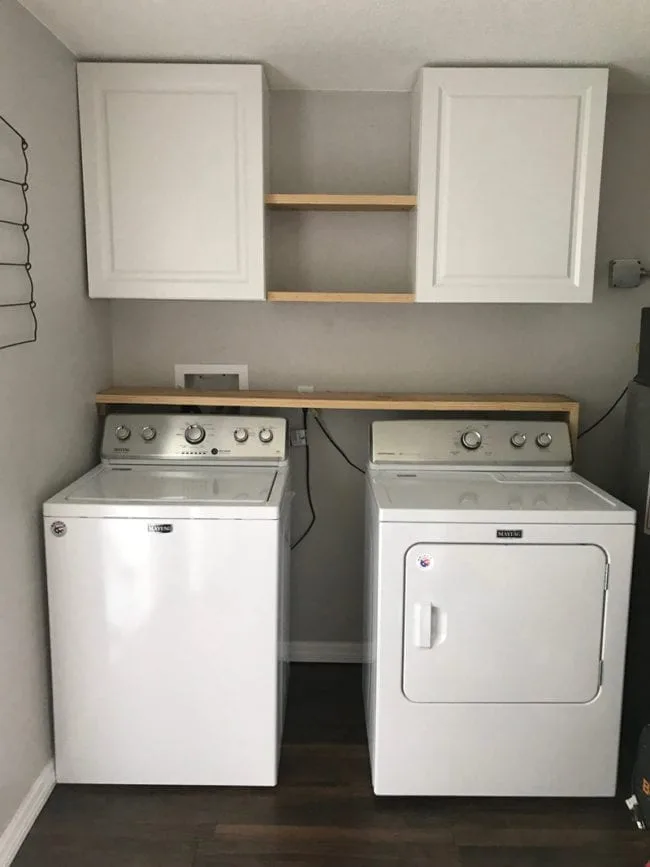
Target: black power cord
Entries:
(308, 484)
(328, 435)
(605, 414)
(337, 446)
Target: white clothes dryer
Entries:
(496, 612)
(167, 570)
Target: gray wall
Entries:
(47, 421)
(359, 142)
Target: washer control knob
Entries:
(544, 440)
(122, 432)
(518, 440)
(240, 434)
(266, 435)
(471, 440)
(148, 433)
(194, 434)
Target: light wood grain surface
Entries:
(334, 202)
(343, 297)
(339, 400)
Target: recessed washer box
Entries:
(212, 377)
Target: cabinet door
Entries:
(507, 168)
(174, 179)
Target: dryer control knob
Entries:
(194, 434)
(122, 432)
(471, 440)
(544, 440)
(148, 433)
(240, 434)
(266, 435)
(518, 440)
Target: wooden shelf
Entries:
(556, 404)
(151, 395)
(327, 202)
(343, 297)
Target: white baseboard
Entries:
(25, 816)
(326, 651)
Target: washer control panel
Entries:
(195, 438)
(467, 442)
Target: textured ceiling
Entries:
(361, 44)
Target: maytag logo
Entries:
(161, 528)
(510, 534)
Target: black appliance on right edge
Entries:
(635, 492)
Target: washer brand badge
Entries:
(161, 528)
(425, 561)
(510, 534)
(58, 528)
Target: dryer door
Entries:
(503, 623)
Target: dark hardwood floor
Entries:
(323, 812)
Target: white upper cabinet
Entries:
(174, 179)
(506, 165)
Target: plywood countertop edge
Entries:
(359, 400)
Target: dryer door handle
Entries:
(429, 625)
(423, 624)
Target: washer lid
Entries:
(169, 485)
(538, 497)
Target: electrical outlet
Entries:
(626, 273)
(305, 389)
(298, 438)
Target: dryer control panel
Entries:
(196, 438)
(468, 442)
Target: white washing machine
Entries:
(167, 569)
(496, 612)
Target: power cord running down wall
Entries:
(306, 414)
(338, 448)
(305, 533)
(607, 413)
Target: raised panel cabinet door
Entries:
(507, 164)
(174, 179)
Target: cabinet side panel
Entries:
(589, 168)
(425, 145)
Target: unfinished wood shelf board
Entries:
(336, 202)
(150, 395)
(169, 396)
(343, 297)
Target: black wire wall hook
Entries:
(23, 225)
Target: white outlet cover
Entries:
(182, 371)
